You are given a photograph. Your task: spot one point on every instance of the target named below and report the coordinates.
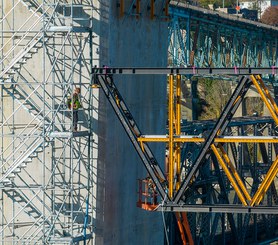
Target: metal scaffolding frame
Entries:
(46, 179)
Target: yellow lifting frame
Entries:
(175, 138)
(230, 177)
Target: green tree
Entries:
(217, 3)
(214, 94)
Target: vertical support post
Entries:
(188, 41)
(171, 134)
(175, 41)
(2, 119)
(178, 130)
(44, 125)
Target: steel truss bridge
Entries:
(205, 38)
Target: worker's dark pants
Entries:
(75, 119)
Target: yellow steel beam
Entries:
(272, 172)
(246, 139)
(225, 139)
(235, 173)
(267, 93)
(171, 134)
(178, 129)
(269, 182)
(229, 175)
(264, 98)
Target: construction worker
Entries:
(74, 104)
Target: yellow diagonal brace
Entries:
(267, 93)
(272, 112)
(269, 182)
(142, 146)
(230, 177)
(272, 172)
(235, 173)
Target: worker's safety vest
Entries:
(76, 103)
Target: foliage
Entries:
(270, 16)
(254, 106)
(215, 93)
(217, 3)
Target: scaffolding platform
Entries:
(70, 240)
(68, 134)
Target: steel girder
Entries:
(233, 178)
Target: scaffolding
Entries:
(46, 179)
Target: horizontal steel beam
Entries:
(217, 208)
(222, 139)
(187, 71)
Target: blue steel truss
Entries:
(205, 38)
